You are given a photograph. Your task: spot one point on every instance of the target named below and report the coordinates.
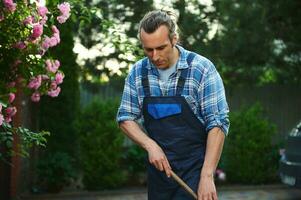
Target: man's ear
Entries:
(174, 40)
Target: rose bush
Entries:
(28, 31)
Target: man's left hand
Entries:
(207, 190)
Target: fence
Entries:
(282, 103)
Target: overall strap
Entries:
(145, 83)
(183, 76)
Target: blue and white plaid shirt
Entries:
(203, 90)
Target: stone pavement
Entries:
(267, 192)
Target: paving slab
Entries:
(267, 192)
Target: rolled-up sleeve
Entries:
(129, 106)
(214, 107)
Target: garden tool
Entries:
(183, 184)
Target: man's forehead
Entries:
(156, 39)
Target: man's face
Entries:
(158, 47)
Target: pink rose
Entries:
(35, 82)
(11, 97)
(52, 66)
(1, 16)
(46, 43)
(28, 20)
(53, 42)
(11, 84)
(54, 93)
(45, 77)
(57, 38)
(44, 20)
(37, 31)
(42, 11)
(11, 111)
(35, 97)
(1, 119)
(65, 12)
(59, 78)
(7, 119)
(10, 5)
(16, 63)
(20, 45)
(53, 85)
(55, 29)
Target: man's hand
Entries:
(157, 157)
(207, 190)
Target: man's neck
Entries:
(176, 55)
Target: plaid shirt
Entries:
(204, 91)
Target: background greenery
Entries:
(250, 155)
(101, 146)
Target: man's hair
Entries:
(154, 19)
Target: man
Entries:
(180, 99)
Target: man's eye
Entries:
(160, 48)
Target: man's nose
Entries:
(155, 55)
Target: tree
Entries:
(252, 43)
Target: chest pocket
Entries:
(159, 111)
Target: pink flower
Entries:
(37, 31)
(7, 119)
(42, 11)
(53, 85)
(54, 93)
(1, 119)
(45, 77)
(59, 78)
(44, 20)
(35, 97)
(11, 111)
(52, 66)
(16, 63)
(11, 84)
(10, 5)
(46, 43)
(20, 45)
(28, 20)
(55, 29)
(65, 12)
(57, 38)
(1, 16)
(35, 82)
(53, 41)
(11, 97)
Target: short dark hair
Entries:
(154, 19)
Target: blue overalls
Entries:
(170, 122)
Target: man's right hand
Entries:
(157, 157)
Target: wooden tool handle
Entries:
(183, 184)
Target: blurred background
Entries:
(255, 46)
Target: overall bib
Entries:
(170, 122)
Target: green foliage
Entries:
(249, 156)
(135, 158)
(100, 145)
(107, 31)
(27, 140)
(257, 40)
(55, 171)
